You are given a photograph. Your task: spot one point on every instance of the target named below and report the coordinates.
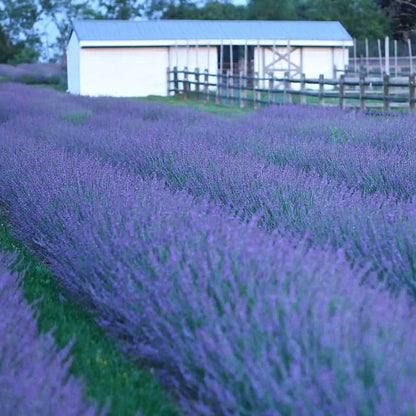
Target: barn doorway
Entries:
(233, 58)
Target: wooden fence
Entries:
(238, 90)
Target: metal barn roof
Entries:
(168, 32)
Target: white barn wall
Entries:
(317, 61)
(193, 57)
(73, 64)
(124, 72)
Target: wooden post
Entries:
(271, 87)
(355, 55)
(246, 59)
(218, 92)
(208, 53)
(197, 85)
(221, 57)
(387, 55)
(396, 72)
(258, 60)
(185, 83)
(302, 89)
(274, 57)
(255, 87)
(367, 62)
(386, 80)
(231, 59)
(321, 89)
(242, 101)
(287, 98)
(168, 80)
(380, 59)
(342, 91)
(412, 96)
(206, 86)
(362, 92)
(196, 54)
(175, 80)
(409, 46)
(230, 88)
(288, 58)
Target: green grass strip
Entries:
(108, 375)
(211, 107)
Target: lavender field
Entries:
(34, 376)
(262, 264)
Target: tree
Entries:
(119, 9)
(403, 15)
(362, 18)
(271, 10)
(209, 10)
(20, 41)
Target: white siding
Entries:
(318, 61)
(73, 64)
(193, 57)
(124, 72)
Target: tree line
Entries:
(21, 20)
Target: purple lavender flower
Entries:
(34, 376)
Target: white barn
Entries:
(131, 58)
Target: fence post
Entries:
(206, 86)
(230, 82)
(412, 96)
(242, 103)
(255, 88)
(271, 87)
(197, 86)
(218, 92)
(287, 98)
(227, 86)
(302, 89)
(321, 89)
(386, 80)
(175, 80)
(168, 81)
(185, 83)
(342, 91)
(362, 92)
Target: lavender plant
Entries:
(236, 320)
(215, 162)
(34, 376)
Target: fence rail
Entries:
(240, 90)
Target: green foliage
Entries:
(403, 16)
(361, 18)
(271, 10)
(19, 40)
(186, 9)
(110, 378)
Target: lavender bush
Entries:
(356, 198)
(34, 376)
(236, 320)
(36, 73)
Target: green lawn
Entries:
(220, 109)
(109, 376)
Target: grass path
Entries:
(109, 377)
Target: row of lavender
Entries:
(36, 73)
(33, 372)
(239, 320)
(341, 178)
